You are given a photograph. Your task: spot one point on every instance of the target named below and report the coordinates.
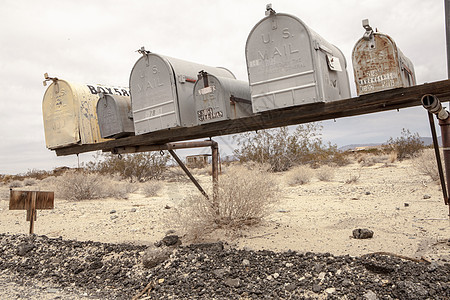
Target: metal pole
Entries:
(438, 157)
(215, 175)
(447, 33)
(188, 173)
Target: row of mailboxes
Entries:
(288, 64)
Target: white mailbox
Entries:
(289, 64)
(161, 90)
(114, 116)
(220, 98)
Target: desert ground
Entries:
(404, 209)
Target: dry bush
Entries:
(426, 164)
(134, 167)
(299, 175)
(81, 185)
(243, 199)
(282, 148)
(151, 188)
(175, 174)
(407, 146)
(15, 184)
(369, 160)
(353, 177)
(118, 189)
(29, 181)
(325, 173)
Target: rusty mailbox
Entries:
(69, 112)
(379, 64)
(114, 116)
(289, 64)
(162, 91)
(219, 98)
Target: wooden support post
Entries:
(32, 211)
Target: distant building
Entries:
(197, 161)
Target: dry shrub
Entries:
(299, 175)
(353, 177)
(15, 184)
(29, 181)
(243, 199)
(151, 188)
(407, 146)
(371, 160)
(325, 173)
(426, 164)
(283, 148)
(80, 185)
(118, 190)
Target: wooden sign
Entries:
(30, 201)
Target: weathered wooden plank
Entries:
(365, 104)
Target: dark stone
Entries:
(171, 240)
(362, 233)
(290, 287)
(24, 248)
(316, 288)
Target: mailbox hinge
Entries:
(368, 35)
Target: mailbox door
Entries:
(59, 111)
(211, 101)
(280, 63)
(153, 95)
(108, 117)
(376, 64)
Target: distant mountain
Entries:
(427, 141)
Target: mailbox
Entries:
(114, 116)
(289, 64)
(69, 112)
(220, 98)
(162, 91)
(379, 64)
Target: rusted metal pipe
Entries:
(188, 173)
(215, 175)
(433, 105)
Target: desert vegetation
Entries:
(247, 187)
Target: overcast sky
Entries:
(96, 42)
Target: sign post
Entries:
(31, 201)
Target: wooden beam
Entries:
(365, 104)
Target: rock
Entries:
(246, 262)
(426, 196)
(275, 275)
(330, 290)
(362, 233)
(113, 217)
(406, 204)
(290, 287)
(288, 265)
(171, 240)
(316, 288)
(133, 209)
(370, 295)
(154, 257)
(113, 211)
(24, 248)
(167, 207)
(232, 282)
(219, 272)
(321, 276)
(368, 193)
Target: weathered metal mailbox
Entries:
(219, 98)
(379, 64)
(289, 64)
(162, 91)
(114, 116)
(69, 112)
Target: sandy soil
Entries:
(317, 217)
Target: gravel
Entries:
(37, 267)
